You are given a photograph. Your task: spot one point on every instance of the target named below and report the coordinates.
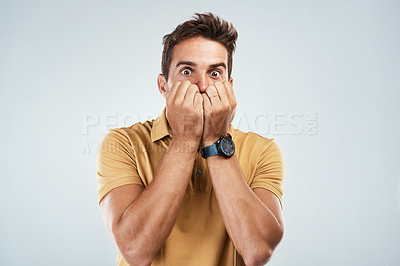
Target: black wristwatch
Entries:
(224, 146)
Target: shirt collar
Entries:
(231, 131)
(161, 127)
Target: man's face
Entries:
(200, 61)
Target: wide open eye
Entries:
(186, 71)
(215, 74)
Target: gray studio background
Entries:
(320, 77)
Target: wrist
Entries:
(212, 139)
(209, 141)
(185, 144)
(224, 146)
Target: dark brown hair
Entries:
(208, 26)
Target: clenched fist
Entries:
(219, 111)
(185, 111)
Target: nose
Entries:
(202, 82)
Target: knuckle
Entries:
(176, 102)
(192, 88)
(186, 82)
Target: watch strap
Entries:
(209, 151)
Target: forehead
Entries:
(200, 51)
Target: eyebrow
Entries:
(218, 65)
(189, 63)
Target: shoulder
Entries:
(129, 137)
(138, 130)
(251, 141)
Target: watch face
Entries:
(227, 147)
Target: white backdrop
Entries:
(320, 77)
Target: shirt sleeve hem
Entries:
(116, 183)
(271, 188)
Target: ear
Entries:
(231, 81)
(162, 84)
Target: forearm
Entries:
(253, 228)
(148, 221)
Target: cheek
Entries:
(222, 78)
(187, 78)
(168, 86)
(178, 77)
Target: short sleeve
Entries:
(116, 163)
(270, 170)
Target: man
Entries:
(188, 188)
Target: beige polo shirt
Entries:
(131, 155)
